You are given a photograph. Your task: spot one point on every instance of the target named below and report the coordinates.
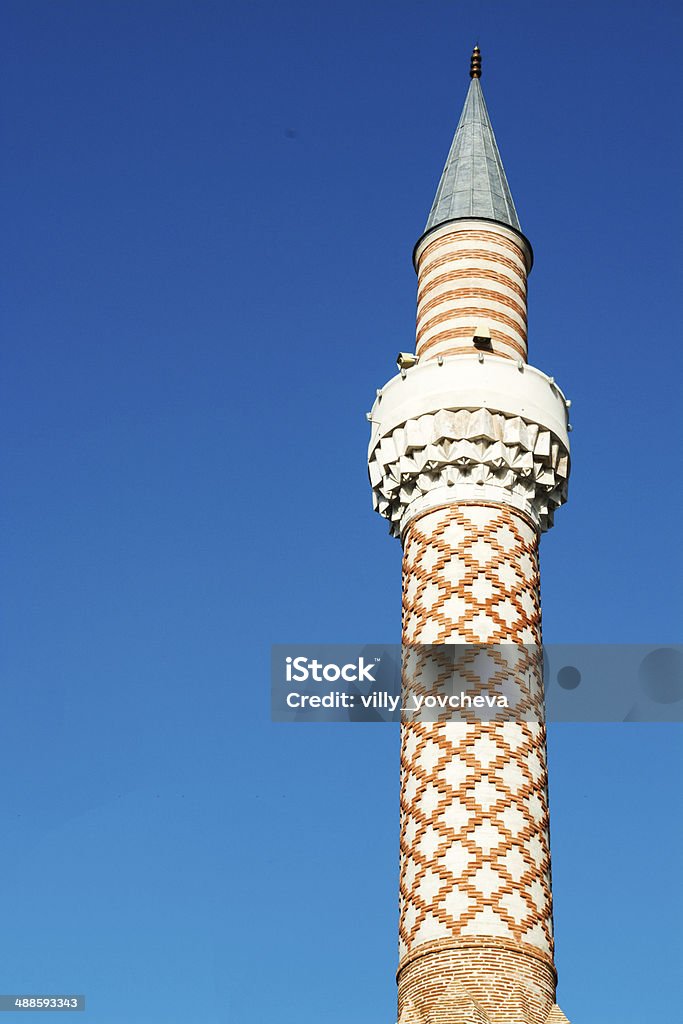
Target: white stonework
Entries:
(471, 427)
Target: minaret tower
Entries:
(468, 459)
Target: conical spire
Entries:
(473, 183)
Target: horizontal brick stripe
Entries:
(471, 293)
(468, 235)
(476, 942)
(437, 342)
(467, 332)
(476, 313)
(476, 273)
(460, 237)
(503, 349)
(469, 254)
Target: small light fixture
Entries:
(482, 336)
(404, 360)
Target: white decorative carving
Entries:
(468, 454)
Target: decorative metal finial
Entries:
(475, 63)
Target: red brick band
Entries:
(474, 942)
(477, 313)
(471, 293)
(467, 332)
(477, 273)
(473, 236)
(469, 254)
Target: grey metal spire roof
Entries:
(473, 183)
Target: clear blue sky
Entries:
(208, 211)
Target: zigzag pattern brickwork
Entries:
(475, 856)
(470, 575)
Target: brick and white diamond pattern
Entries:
(475, 856)
(470, 575)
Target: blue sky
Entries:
(209, 211)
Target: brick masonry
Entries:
(475, 909)
(469, 474)
(466, 275)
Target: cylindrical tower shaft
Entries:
(475, 917)
(468, 459)
(470, 273)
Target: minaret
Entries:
(468, 458)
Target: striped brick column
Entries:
(471, 272)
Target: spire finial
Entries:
(475, 63)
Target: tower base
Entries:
(477, 981)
